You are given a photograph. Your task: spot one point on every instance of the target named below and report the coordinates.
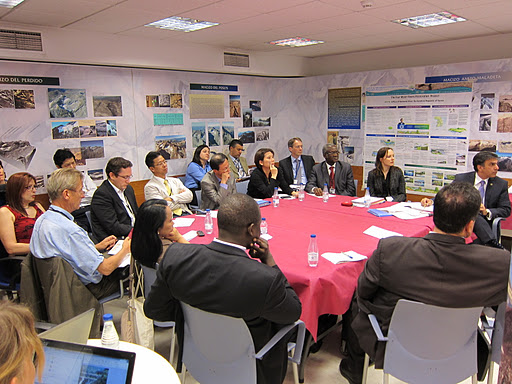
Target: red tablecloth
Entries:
(327, 288)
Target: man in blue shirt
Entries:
(56, 235)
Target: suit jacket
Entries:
(234, 169)
(343, 178)
(108, 213)
(496, 193)
(286, 167)
(262, 187)
(396, 183)
(438, 269)
(212, 193)
(222, 279)
(155, 189)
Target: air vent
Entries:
(236, 60)
(26, 41)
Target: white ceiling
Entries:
(249, 25)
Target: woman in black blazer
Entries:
(386, 179)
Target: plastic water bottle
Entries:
(366, 198)
(109, 336)
(275, 198)
(302, 193)
(325, 195)
(263, 226)
(313, 252)
(208, 222)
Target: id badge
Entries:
(294, 181)
(332, 191)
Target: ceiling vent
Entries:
(25, 41)
(236, 60)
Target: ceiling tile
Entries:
(403, 10)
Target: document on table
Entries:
(116, 248)
(214, 214)
(321, 196)
(408, 211)
(380, 233)
(183, 221)
(373, 200)
(190, 235)
(343, 257)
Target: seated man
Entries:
(113, 206)
(297, 167)
(237, 163)
(336, 174)
(238, 285)
(439, 269)
(64, 158)
(167, 188)
(494, 194)
(56, 235)
(217, 184)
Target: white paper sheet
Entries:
(380, 233)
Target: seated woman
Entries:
(386, 179)
(3, 184)
(21, 350)
(266, 176)
(153, 232)
(196, 170)
(18, 217)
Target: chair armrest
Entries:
(376, 328)
(496, 226)
(301, 332)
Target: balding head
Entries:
(237, 214)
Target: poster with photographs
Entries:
(228, 132)
(107, 106)
(171, 147)
(198, 134)
(66, 103)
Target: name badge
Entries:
(332, 191)
(295, 181)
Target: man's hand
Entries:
(107, 243)
(318, 191)
(295, 194)
(259, 250)
(126, 245)
(483, 210)
(273, 171)
(426, 202)
(225, 177)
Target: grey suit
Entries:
(288, 172)
(234, 169)
(343, 178)
(212, 193)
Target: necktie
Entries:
(241, 172)
(331, 177)
(481, 189)
(178, 211)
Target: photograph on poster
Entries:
(101, 128)
(437, 176)
(482, 145)
(262, 134)
(247, 120)
(18, 151)
(449, 177)
(39, 181)
(332, 137)
(409, 180)
(65, 130)
(484, 124)
(487, 101)
(111, 128)
(65, 103)
(214, 139)
(198, 134)
(152, 101)
(171, 147)
(408, 172)
(87, 128)
(78, 155)
(255, 105)
(348, 154)
(95, 174)
(24, 99)
(261, 122)
(106, 106)
(460, 159)
(505, 104)
(176, 100)
(234, 106)
(246, 137)
(164, 100)
(93, 149)
(228, 132)
(504, 162)
(207, 106)
(505, 146)
(505, 122)
(6, 98)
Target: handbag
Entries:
(135, 326)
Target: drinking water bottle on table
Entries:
(208, 222)
(313, 252)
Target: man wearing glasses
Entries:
(336, 174)
(113, 206)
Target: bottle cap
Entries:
(207, 210)
(275, 188)
(313, 236)
(263, 219)
(325, 184)
(107, 317)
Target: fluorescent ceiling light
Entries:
(295, 42)
(10, 3)
(431, 20)
(183, 24)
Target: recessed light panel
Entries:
(295, 42)
(184, 24)
(10, 3)
(430, 20)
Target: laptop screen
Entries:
(69, 363)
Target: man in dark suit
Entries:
(113, 206)
(336, 174)
(439, 269)
(297, 167)
(218, 183)
(219, 277)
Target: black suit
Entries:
(496, 201)
(343, 178)
(108, 213)
(261, 187)
(222, 279)
(288, 170)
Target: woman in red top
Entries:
(17, 218)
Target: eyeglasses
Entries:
(125, 177)
(160, 163)
(332, 153)
(29, 187)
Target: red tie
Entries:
(331, 177)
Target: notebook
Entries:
(75, 330)
(68, 363)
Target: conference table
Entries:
(327, 288)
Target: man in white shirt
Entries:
(170, 189)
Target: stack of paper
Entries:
(373, 200)
(380, 233)
(343, 257)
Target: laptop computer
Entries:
(75, 330)
(68, 363)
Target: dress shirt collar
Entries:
(329, 167)
(230, 244)
(118, 191)
(61, 210)
(478, 179)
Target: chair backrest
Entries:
(149, 278)
(217, 349)
(241, 186)
(430, 344)
(198, 197)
